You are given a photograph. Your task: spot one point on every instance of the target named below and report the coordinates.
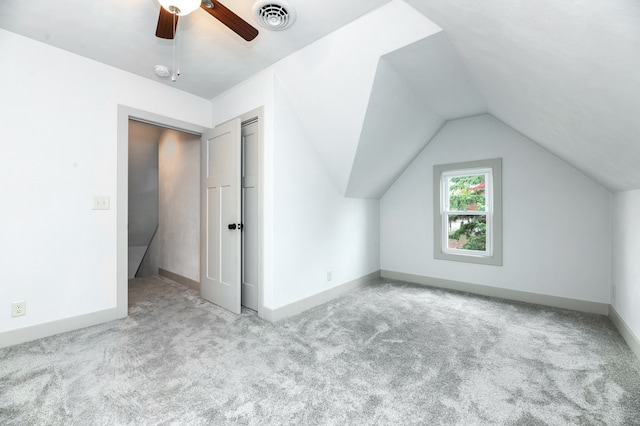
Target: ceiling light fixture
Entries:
(275, 15)
(177, 8)
(180, 7)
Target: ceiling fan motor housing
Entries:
(180, 7)
(274, 15)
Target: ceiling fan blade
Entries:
(166, 25)
(231, 20)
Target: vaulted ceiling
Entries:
(564, 74)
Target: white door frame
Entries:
(259, 114)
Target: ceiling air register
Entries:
(275, 16)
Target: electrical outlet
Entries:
(101, 203)
(329, 275)
(19, 309)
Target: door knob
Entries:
(232, 226)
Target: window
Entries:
(468, 211)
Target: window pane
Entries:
(467, 211)
(468, 232)
(467, 193)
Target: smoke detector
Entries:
(162, 71)
(274, 15)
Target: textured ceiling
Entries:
(121, 33)
(565, 74)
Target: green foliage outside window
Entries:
(473, 229)
(467, 193)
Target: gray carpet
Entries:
(390, 353)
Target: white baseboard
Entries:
(33, 332)
(632, 340)
(502, 293)
(187, 282)
(317, 299)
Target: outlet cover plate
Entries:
(19, 309)
(101, 202)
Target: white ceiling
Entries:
(566, 74)
(121, 33)
(563, 73)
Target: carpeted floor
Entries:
(388, 354)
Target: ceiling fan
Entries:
(172, 9)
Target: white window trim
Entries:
(493, 253)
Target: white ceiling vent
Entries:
(274, 15)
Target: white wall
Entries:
(176, 245)
(143, 182)
(59, 150)
(626, 255)
(309, 227)
(143, 192)
(316, 229)
(179, 223)
(556, 223)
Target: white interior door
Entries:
(250, 277)
(221, 216)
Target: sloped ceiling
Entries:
(543, 69)
(396, 128)
(563, 73)
(417, 89)
(330, 83)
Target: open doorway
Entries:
(125, 115)
(164, 200)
